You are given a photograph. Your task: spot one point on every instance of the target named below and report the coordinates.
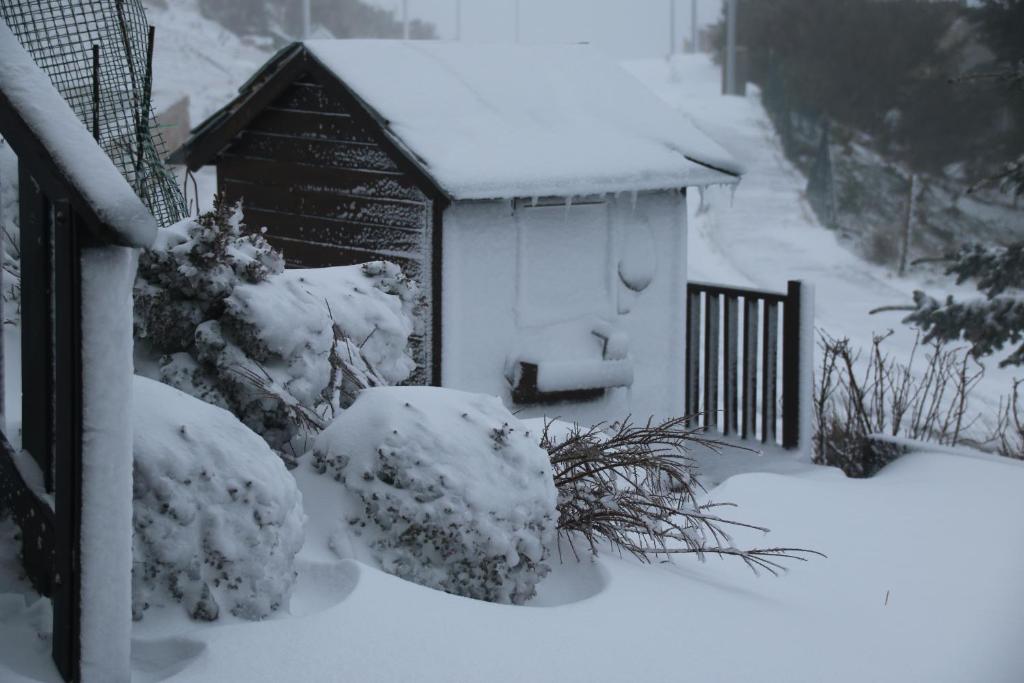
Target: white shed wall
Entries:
(512, 272)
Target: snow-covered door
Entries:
(564, 263)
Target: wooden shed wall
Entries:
(316, 172)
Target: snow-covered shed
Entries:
(538, 194)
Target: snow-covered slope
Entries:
(199, 58)
(765, 233)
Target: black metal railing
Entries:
(735, 346)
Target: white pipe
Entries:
(672, 27)
(693, 25)
(307, 20)
(730, 48)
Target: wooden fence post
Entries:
(797, 344)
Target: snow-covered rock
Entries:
(447, 489)
(218, 519)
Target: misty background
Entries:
(888, 107)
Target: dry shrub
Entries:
(634, 487)
(857, 395)
(1008, 433)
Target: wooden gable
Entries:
(314, 166)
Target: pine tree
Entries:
(991, 322)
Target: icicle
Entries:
(568, 205)
(632, 200)
(700, 202)
(533, 201)
(732, 195)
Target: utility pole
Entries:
(458, 19)
(307, 20)
(517, 22)
(730, 47)
(693, 26)
(405, 19)
(672, 27)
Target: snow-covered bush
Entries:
(283, 350)
(447, 489)
(217, 517)
(192, 269)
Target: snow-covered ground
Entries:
(921, 583)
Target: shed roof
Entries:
(61, 153)
(497, 121)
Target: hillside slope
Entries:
(765, 233)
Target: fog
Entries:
(623, 28)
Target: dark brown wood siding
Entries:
(317, 173)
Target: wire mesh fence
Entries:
(98, 53)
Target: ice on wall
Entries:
(446, 489)
(218, 519)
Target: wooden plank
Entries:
(360, 210)
(303, 254)
(37, 357)
(407, 161)
(750, 326)
(67, 401)
(335, 233)
(49, 175)
(316, 125)
(692, 380)
(33, 516)
(712, 355)
(730, 364)
(791, 352)
(275, 78)
(760, 294)
(317, 152)
(309, 97)
(421, 376)
(299, 176)
(436, 301)
(769, 372)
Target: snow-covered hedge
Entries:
(217, 517)
(282, 350)
(448, 490)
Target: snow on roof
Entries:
(491, 121)
(70, 145)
